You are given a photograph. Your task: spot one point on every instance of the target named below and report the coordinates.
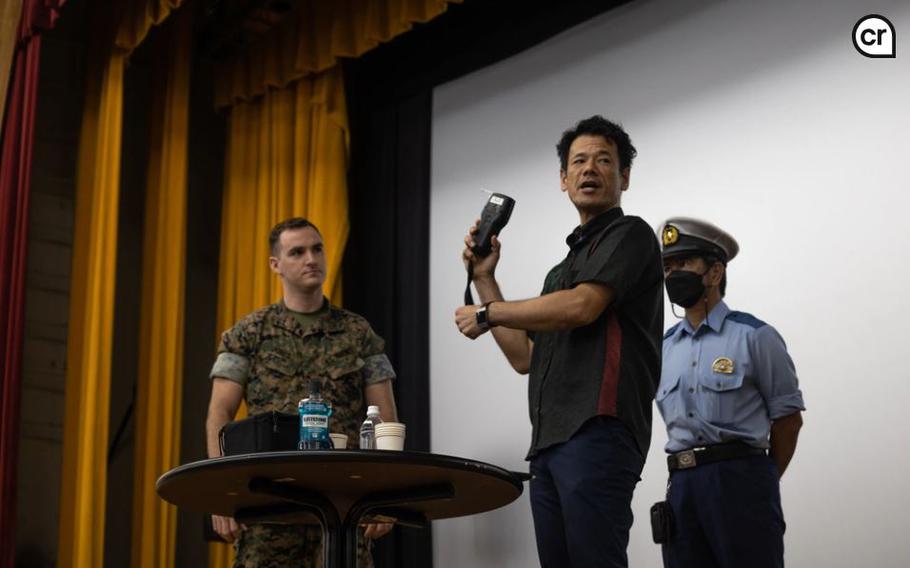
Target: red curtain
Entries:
(15, 174)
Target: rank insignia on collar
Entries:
(723, 365)
(671, 235)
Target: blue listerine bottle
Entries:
(314, 420)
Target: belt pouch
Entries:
(661, 522)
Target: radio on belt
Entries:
(493, 218)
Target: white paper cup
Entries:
(339, 441)
(390, 436)
(390, 428)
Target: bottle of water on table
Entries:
(368, 429)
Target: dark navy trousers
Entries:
(581, 496)
(726, 515)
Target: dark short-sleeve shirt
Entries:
(610, 367)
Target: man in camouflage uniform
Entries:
(269, 356)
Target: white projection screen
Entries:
(763, 118)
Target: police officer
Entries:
(267, 359)
(732, 405)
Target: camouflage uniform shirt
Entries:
(274, 352)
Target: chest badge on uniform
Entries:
(723, 365)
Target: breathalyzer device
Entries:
(493, 218)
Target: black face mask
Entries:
(685, 288)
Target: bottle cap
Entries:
(372, 409)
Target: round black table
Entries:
(339, 488)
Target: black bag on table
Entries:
(267, 432)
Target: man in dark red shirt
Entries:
(591, 343)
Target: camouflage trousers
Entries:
(286, 546)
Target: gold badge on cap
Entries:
(723, 365)
(671, 235)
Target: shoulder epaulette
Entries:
(747, 319)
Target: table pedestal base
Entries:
(340, 535)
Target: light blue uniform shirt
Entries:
(725, 381)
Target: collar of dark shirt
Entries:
(583, 233)
(715, 321)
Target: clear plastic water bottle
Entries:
(314, 420)
(368, 429)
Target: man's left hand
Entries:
(377, 530)
(466, 320)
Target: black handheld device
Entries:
(493, 218)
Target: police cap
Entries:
(685, 236)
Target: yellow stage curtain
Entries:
(10, 12)
(139, 17)
(160, 373)
(286, 157)
(91, 319)
(85, 427)
(313, 37)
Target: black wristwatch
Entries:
(483, 321)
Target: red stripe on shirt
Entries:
(609, 385)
